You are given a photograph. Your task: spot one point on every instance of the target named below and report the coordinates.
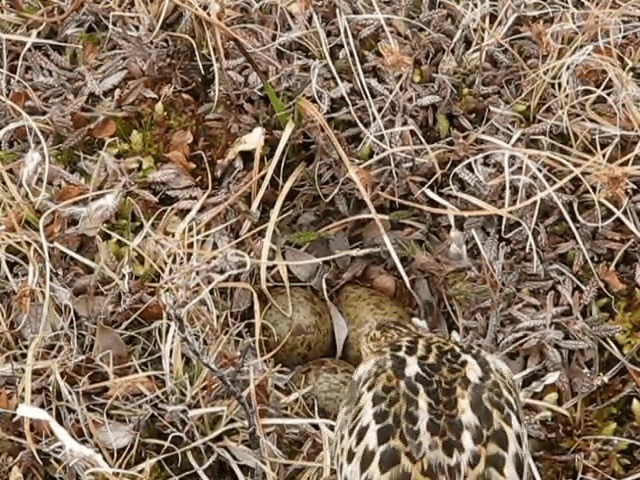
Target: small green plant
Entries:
(628, 318)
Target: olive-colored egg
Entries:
(329, 379)
(309, 323)
(361, 308)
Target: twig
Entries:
(230, 384)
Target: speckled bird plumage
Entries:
(421, 407)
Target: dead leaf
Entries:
(297, 7)
(180, 141)
(20, 133)
(89, 306)
(340, 243)
(366, 178)
(94, 214)
(448, 64)
(130, 386)
(635, 409)
(457, 248)
(31, 316)
(381, 280)
(114, 435)
(18, 98)
(105, 128)
(610, 277)
(242, 299)
(90, 53)
(8, 400)
(108, 341)
(241, 454)
(340, 328)
(394, 59)
(371, 233)
(58, 225)
(13, 221)
(179, 158)
(422, 290)
(69, 192)
(16, 473)
(40, 427)
(305, 272)
(635, 375)
(151, 312)
(253, 140)
(133, 91)
(78, 121)
(172, 175)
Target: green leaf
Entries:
(278, 105)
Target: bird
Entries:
(424, 407)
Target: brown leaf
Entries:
(371, 235)
(298, 7)
(41, 427)
(89, 53)
(8, 400)
(133, 91)
(105, 128)
(381, 280)
(366, 178)
(69, 192)
(635, 375)
(179, 158)
(78, 121)
(108, 341)
(152, 312)
(130, 386)
(610, 277)
(19, 98)
(12, 221)
(394, 59)
(20, 133)
(181, 140)
(58, 224)
(90, 306)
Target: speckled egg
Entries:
(309, 323)
(361, 307)
(329, 379)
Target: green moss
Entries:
(66, 158)
(366, 152)
(91, 38)
(304, 238)
(559, 228)
(465, 291)
(628, 319)
(7, 157)
(443, 124)
(148, 165)
(117, 249)
(123, 128)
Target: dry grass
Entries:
(480, 158)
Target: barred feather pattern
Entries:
(422, 407)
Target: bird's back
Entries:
(424, 407)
